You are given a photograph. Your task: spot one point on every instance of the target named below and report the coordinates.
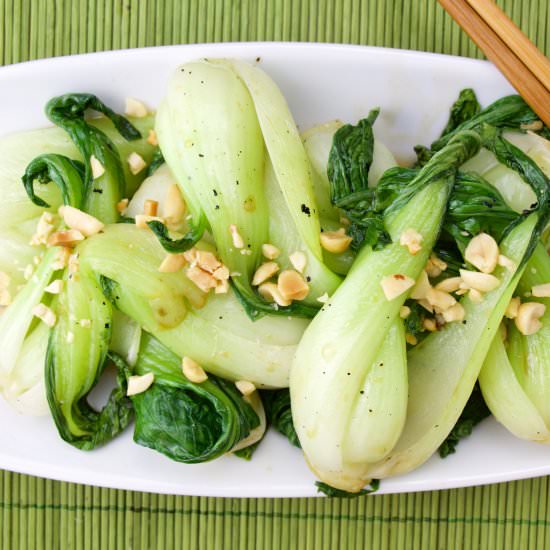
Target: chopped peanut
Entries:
(335, 241)
(81, 221)
(264, 272)
(152, 138)
(475, 296)
(429, 324)
(541, 291)
(245, 387)
(426, 305)
(207, 261)
(404, 312)
(97, 168)
(202, 279)
(451, 284)
(135, 163)
(45, 314)
(528, 317)
(270, 252)
(421, 287)
(412, 239)
(55, 287)
(271, 292)
(513, 308)
(439, 299)
(135, 108)
(139, 384)
(173, 207)
(482, 252)
(68, 238)
(411, 339)
(484, 282)
(435, 266)
(238, 241)
(298, 260)
(292, 285)
(454, 313)
(44, 228)
(222, 287)
(172, 263)
(150, 207)
(395, 285)
(62, 258)
(221, 273)
(122, 205)
(193, 371)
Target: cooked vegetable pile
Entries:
(232, 273)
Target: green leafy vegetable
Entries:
(474, 412)
(177, 245)
(349, 377)
(425, 430)
(185, 421)
(464, 108)
(476, 206)
(156, 162)
(279, 413)
(329, 491)
(510, 112)
(67, 174)
(103, 192)
(77, 356)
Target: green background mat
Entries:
(37, 513)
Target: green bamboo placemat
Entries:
(44, 514)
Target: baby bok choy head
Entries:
(349, 377)
(443, 368)
(191, 422)
(226, 132)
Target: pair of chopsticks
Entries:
(526, 68)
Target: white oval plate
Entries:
(321, 82)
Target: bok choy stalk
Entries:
(214, 126)
(443, 368)
(515, 378)
(349, 377)
(178, 314)
(191, 422)
(76, 357)
(24, 341)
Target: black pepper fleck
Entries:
(305, 209)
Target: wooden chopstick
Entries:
(524, 76)
(506, 29)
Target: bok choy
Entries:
(349, 377)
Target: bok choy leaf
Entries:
(102, 191)
(185, 421)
